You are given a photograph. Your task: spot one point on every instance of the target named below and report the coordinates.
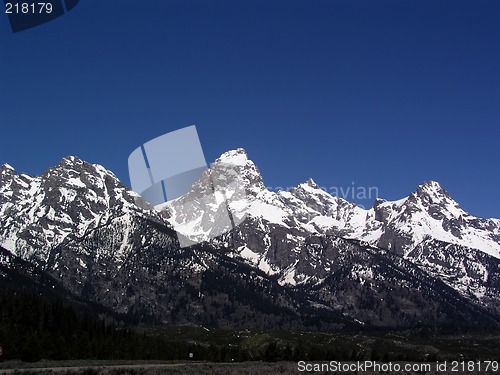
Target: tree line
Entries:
(33, 327)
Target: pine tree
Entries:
(31, 351)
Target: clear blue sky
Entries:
(379, 93)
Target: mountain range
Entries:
(297, 259)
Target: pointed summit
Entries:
(235, 157)
(6, 167)
(234, 167)
(310, 182)
(431, 189)
(434, 185)
(6, 171)
(309, 185)
(70, 161)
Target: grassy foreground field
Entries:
(246, 368)
(145, 368)
(282, 351)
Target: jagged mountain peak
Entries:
(71, 160)
(69, 199)
(310, 182)
(431, 184)
(431, 213)
(76, 170)
(237, 156)
(6, 166)
(310, 187)
(378, 202)
(310, 192)
(431, 188)
(6, 172)
(235, 168)
(431, 197)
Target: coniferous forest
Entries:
(35, 327)
(32, 328)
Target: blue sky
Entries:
(384, 94)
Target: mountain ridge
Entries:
(430, 207)
(103, 242)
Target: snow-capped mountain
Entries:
(37, 214)
(279, 225)
(302, 253)
(429, 213)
